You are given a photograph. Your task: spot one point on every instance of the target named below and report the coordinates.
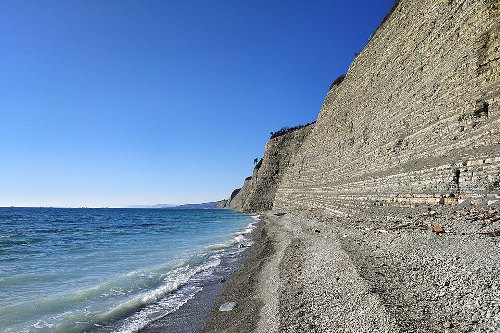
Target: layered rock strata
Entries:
(416, 119)
(259, 190)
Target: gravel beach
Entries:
(380, 269)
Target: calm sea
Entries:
(107, 270)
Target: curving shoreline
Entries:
(243, 287)
(190, 316)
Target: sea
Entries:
(109, 270)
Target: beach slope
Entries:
(382, 270)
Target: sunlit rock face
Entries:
(259, 190)
(416, 119)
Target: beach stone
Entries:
(227, 306)
(437, 229)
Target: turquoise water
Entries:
(107, 270)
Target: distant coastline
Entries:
(203, 205)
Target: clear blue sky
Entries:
(111, 103)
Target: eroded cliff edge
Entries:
(259, 190)
(415, 121)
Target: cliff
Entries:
(259, 190)
(416, 120)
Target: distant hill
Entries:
(152, 206)
(204, 205)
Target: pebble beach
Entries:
(376, 270)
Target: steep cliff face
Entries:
(416, 119)
(236, 200)
(259, 190)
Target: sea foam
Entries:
(107, 270)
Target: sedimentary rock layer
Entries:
(416, 119)
(259, 190)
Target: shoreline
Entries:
(190, 316)
(242, 287)
(380, 269)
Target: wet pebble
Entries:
(227, 306)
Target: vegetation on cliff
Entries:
(337, 81)
(286, 129)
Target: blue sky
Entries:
(111, 103)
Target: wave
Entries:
(135, 289)
(157, 310)
(87, 300)
(159, 306)
(221, 246)
(255, 217)
(240, 237)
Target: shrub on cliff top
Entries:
(234, 193)
(393, 8)
(286, 129)
(259, 163)
(338, 80)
